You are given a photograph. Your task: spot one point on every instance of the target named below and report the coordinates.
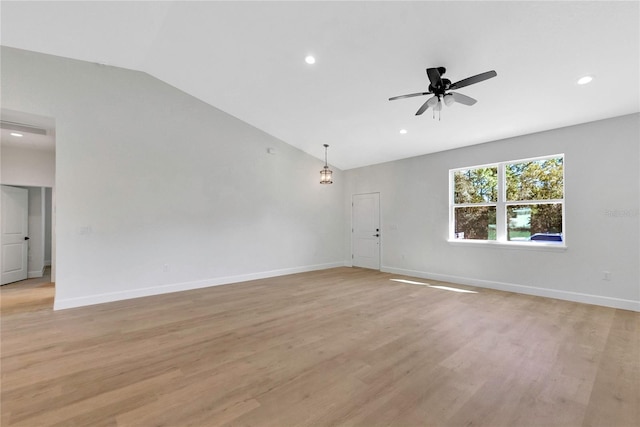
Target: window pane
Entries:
(535, 222)
(535, 180)
(476, 185)
(478, 223)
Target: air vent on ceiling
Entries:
(19, 127)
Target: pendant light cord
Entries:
(325, 155)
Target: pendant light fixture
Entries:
(325, 173)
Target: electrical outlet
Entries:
(165, 268)
(606, 275)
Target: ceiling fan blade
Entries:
(430, 103)
(462, 99)
(409, 96)
(423, 108)
(434, 77)
(474, 79)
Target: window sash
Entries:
(534, 202)
(502, 203)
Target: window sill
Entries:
(538, 246)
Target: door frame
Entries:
(31, 119)
(379, 223)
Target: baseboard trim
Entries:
(36, 273)
(61, 304)
(521, 289)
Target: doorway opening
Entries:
(27, 241)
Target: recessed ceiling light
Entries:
(310, 59)
(403, 131)
(19, 135)
(584, 80)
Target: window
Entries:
(475, 198)
(517, 201)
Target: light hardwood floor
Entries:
(27, 295)
(344, 346)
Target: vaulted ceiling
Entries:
(247, 59)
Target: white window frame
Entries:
(501, 208)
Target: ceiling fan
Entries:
(440, 88)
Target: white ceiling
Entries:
(247, 58)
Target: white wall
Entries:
(602, 160)
(25, 166)
(157, 191)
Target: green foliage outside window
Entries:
(476, 185)
(535, 180)
(527, 220)
(477, 223)
(533, 194)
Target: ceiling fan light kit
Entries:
(439, 87)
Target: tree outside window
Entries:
(475, 196)
(520, 201)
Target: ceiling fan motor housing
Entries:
(442, 88)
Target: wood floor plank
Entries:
(616, 389)
(344, 346)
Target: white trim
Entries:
(61, 304)
(528, 159)
(35, 273)
(624, 304)
(530, 246)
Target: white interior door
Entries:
(14, 238)
(365, 231)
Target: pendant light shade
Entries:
(438, 106)
(432, 102)
(325, 173)
(449, 99)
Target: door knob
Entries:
(26, 238)
(376, 235)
